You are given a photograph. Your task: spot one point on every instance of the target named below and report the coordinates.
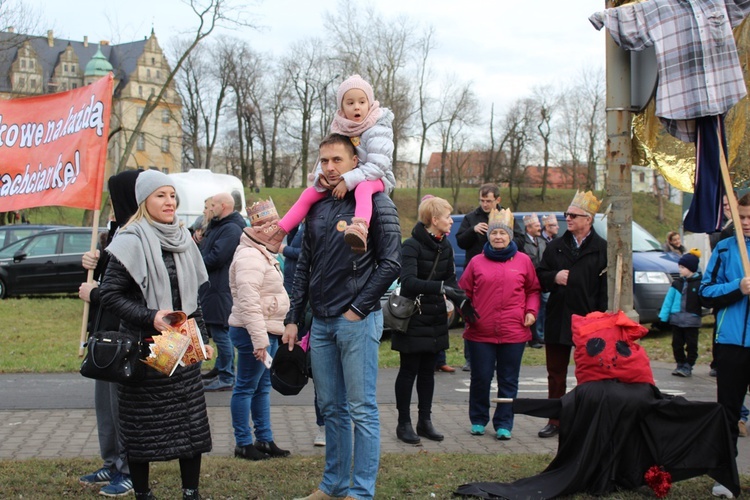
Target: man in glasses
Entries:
(573, 270)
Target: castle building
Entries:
(33, 65)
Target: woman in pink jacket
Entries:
(260, 304)
(502, 285)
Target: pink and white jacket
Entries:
(502, 293)
(260, 302)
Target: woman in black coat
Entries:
(155, 268)
(427, 333)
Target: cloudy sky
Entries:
(505, 47)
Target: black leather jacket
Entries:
(331, 276)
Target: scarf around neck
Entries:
(139, 248)
(506, 253)
(342, 125)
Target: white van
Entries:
(197, 184)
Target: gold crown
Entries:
(261, 212)
(548, 218)
(530, 219)
(586, 202)
(501, 218)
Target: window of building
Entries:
(23, 63)
(64, 86)
(148, 73)
(65, 68)
(165, 144)
(140, 91)
(141, 142)
(22, 82)
(73, 68)
(153, 61)
(74, 85)
(31, 64)
(165, 116)
(158, 74)
(642, 177)
(32, 83)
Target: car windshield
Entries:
(9, 251)
(642, 239)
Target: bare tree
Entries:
(460, 109)
(211, 14)
(491, 171)
(303, 68)
(517, 130)
(545, 100)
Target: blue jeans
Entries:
(251, 390)
(224, 353)
(541, 316)
(345, 370)
(486, 360)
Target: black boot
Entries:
(144, 496)
(405, 432)
(249, 452)
(425, 429)
(190, 494)
(271, 449)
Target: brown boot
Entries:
(269, 235)
(356, 234)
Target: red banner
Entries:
(53, 148)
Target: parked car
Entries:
(47, 262)
(653, 269)
(12, 233)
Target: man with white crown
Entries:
(573, 270)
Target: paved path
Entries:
(52, 416)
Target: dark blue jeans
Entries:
(504, 360)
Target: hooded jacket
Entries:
(502, 293)
(720, 289)
(682, 304)
(217, 248)
(260, 302)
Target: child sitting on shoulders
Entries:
(682, 310)
(369, 126)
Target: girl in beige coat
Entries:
(260, 304)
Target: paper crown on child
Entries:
(586, 202)
(530, 219)
(500, 219)
(261, 212)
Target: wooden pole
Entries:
(732, 200)
(89, 279)
(618, 284)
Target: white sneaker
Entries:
(719, 490)
(320, 438)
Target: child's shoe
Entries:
(676, 372)
(356, 234)
(269, 235)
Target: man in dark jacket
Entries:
(217, 248)
(532, 244)
(472, 235)
(344, 290)
(573, 270)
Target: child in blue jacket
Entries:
(682, 310)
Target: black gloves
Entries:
(468, 312)
(462, 302)
(455, 294)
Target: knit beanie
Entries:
(689, 261)
(148, 182)
(354, 82)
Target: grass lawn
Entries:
(420, 475)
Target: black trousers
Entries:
(190, 473)
(682, 338)
(732, 379)
(419, 366)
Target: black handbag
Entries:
(398, 310)
(112, 356)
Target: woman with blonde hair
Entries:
(427, 272)
(155, 268)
